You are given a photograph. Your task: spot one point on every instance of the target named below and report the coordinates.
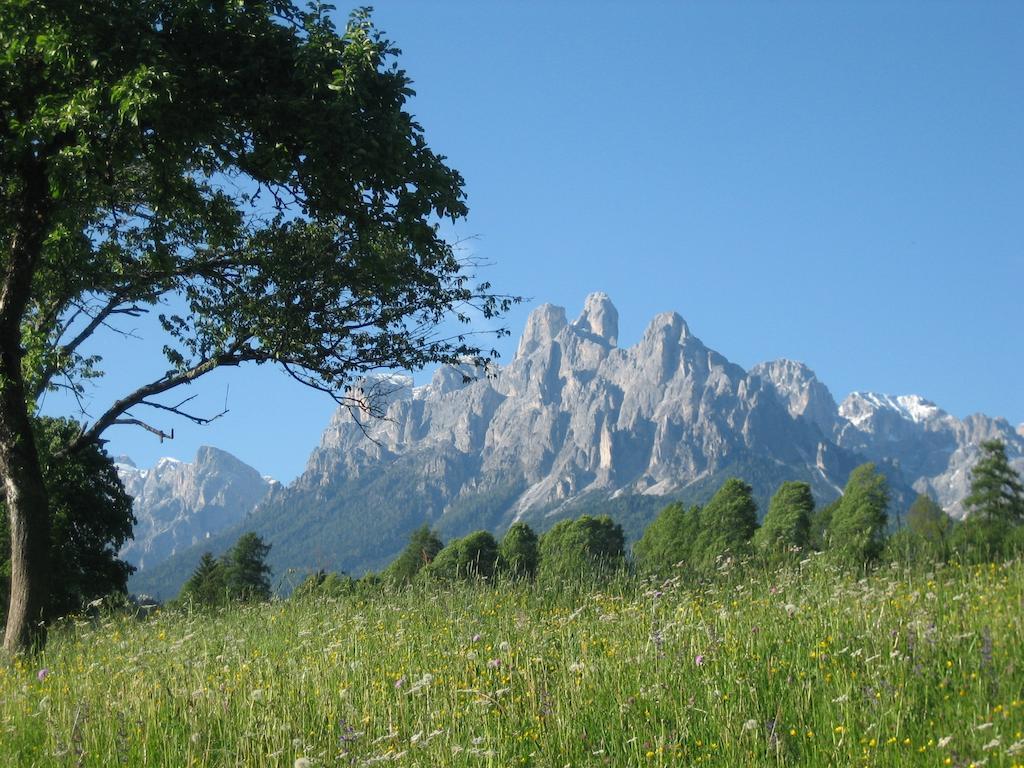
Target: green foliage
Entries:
(727, 525)
(423, 547)
(474, 556)
(928, 531)
(90, 520)
(927, 519)
(857, 530)
(207, 586)
(787, 524)
(669, 540)
(584, 548)
(821, 522)
(997, 493)
(247, 170)
(320, 584)
(978, 540)
(246, 572)
(519, 553)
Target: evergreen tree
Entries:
(669, 540)
(997, 494)
(857, 530)
(519, 554)
(727, 524)
(787, 524)
(246, 571)
(422, 548)
(207, 586)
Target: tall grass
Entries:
(797, 667)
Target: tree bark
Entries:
(20, 472)
(27, 510)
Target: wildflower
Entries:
(699, 660)
(302, 762)
(494, 663)
(400, 682)
(750, 725)
(476, 638)
(43, 673)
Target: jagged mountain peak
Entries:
(600, 318)
(178, 503)
(801, 391)
(542, 325)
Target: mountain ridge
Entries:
(574, 421)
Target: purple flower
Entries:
(42, 674)
(476, 638)
(494, 663)
(699, 660)
(400, 682)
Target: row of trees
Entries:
(853, 531)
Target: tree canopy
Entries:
(787, 523)
(857, 527)
(997, 493)
(582, 548)
(727, 524)
(248, 169)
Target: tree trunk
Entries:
(22, 477)
(27, 511)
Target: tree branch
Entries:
(237, 354)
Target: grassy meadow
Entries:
(804, 666)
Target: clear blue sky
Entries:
(841, 184)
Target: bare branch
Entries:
(139, 423)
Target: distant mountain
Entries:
(575, 423)
(179, 504)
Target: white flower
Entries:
(302, 762)
(750, 725)
(944, 741)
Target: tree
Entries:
(422, 548)
(821, 522)
(473, 556)
(245, 166)
(246, 573)
(997, 493)
(727, 524)
(668, 540)
(787, 523)
(519, 554)
(91, 518)
(857, 530)
(207, 586)
(586, 547)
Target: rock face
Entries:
(576, 423)
(179, 504)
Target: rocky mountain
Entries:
(179, 504)
(575, 423)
